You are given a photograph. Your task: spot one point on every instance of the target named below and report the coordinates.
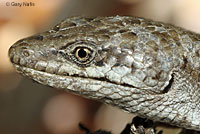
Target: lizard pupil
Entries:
(82, 53)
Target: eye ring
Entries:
(82, 53)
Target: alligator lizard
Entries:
(141, 66)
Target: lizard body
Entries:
(144, 67)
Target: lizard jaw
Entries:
(88, 88)
(67, 82)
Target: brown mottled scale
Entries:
(141, 66)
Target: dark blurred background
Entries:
(29, 108)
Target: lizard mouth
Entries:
(34, 73)
(89, 87)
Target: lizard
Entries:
(142, 66)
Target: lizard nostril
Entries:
(26, 53)
(19, 52)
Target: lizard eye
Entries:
(83, 54)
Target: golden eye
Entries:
(83, 54)
(80, 53)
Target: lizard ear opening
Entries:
(168, 87)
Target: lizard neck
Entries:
(179, 106)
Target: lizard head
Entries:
(87, 55)
(124, 61)
(96, 58)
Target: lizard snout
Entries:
(19, 53)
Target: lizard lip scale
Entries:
(144, 67)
